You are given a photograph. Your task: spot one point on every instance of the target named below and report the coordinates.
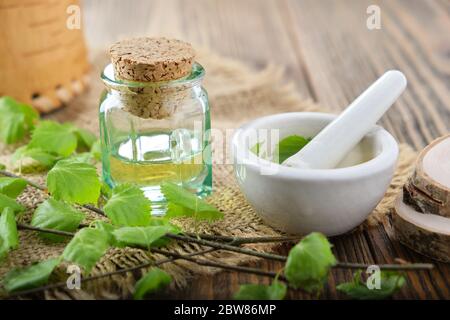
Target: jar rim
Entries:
(192, 79)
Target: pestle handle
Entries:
(337, 139)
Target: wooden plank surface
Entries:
(331, 56)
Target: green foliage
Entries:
(289, 146)
(16, 120)
(12, 129)
(29, 277)
(106, 190)
(259, 150)
(12, 187)
(9, 238)
(390, 283)
(155, 280)
(8, 104)
(309, 262)
(108, 229)
(52, 141)
(256, 149)
(84, 157)
(74, 182)
(62, 139)
(96, 150)
(7, 202)
(57, 215)
(46, 159)
(144, 237)
(182, 203)
(85, 138)
(54, 137)
(276, 291)
(131, 232)
(164, 222)
(86, 248)
(128, 206)
(2, 166)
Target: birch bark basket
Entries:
(43, 57)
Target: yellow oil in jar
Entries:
(153, 173)
(153, 158)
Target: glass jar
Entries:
(152, 132)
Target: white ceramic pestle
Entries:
(337, 139)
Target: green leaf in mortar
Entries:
(256, 148)
(288, 146)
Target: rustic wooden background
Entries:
(331, 56)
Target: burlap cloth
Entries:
(237, 94)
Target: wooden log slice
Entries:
(427, 234)
(428, 189)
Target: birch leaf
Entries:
(74, 182)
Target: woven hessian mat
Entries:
(237, 94)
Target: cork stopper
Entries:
(152, 59)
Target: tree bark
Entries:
(428, 189)
(427, 234)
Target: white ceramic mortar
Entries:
(299, 201)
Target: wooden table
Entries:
(331, 56)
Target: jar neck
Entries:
(113, 84)
(157, 100)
